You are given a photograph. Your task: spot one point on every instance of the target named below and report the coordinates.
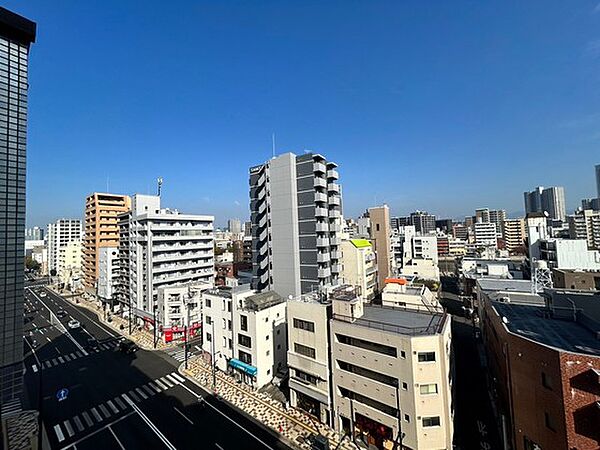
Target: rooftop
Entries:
(258, 302)
(360, 243)
(503, 284)
(530, 322)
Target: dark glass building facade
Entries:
(16, 35)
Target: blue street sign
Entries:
(61, 394)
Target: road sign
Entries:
(61, 394)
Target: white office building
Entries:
(108, 270)
(486, 234)
(245, 332)
(59, 234)
(161, 248)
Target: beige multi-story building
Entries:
(381, 239)
(308, 355)
(401, 292)
(101, 230)
(392, 376)
(358, 266)
(514, 234)
(70, 264)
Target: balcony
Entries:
(322, 227)
(333, 174)
(322, 242)
(320, 212)
(332, 187)
(320, 182)
(334, 213)
(324, 273)
(335, 200)
(336, 268)
(335, 241)
(320, 197)
(336, 254)
(323, 257)
(319, 167)
(335, 228)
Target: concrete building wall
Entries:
(381, 240)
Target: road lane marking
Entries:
(79, 355)
(218, 446)
(179, 377)
(226, 416)
(152, 426)
(112, 406)
(87, 418)
(34, 368)
(78, 423)
(139, 391)
(54, 362)
(93, 433)
(148, 390)
(47, 364)
(154, 386)
(69, 428)
(48, 339)
(173, 379)
(161, 384)
(59, 433)
(183, 415)
(104, 410)
(116, 438)
(96, 415)
(120, 403)
(67, 358)
(60, 358)
(134, 396)
(167, 382)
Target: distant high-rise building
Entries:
(234, 225)
(498, 217)
(482, 215)
(514, 234)
(550, 200)
(590, 203)
(598, 180)
(444, 225)
(60, 234)
(397, 222)
(485, 234)
(34, 234)
(16, 35)
(423, 222)
(247, 229)
(381, 240)
(101, 230)
(586, 225)
(295, 206)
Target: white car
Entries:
(74, 324)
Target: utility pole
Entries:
(214, 362)
(185, 331)
(155, 324)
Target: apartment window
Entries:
(244, 323)
(208, 304)
(208, 337)
(406, 418)
(224, 342)
(304, 325)
(304, 350)
(377, 227)
(268, 352)
(246, 341)
(224, 323)
(245, 357)
(208, 320)
(402, 354)
(267, 338)
(367, 345)
(404, 386)
(230, 344)
(549, 421)
(229, 325)
(229, 306)
(367, 373)
(546, 381)
(431, 421)
(306, 377)
(427, 389)
(426, 356)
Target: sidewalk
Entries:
(292, 424)
(143, 338)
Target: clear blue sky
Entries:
(437, 105)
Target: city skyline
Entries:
(451, 125)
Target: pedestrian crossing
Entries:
(103, 413)
(179, 355)
(62, 359)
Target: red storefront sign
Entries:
(173, 333)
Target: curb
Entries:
(240, 411)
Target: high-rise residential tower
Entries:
(550, 200)
(101, 230)
(498, 217)
(60, 234)
(295, 207)
(16, 35)
(424, 222)
(598, 180)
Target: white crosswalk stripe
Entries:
(161, 384)
(69, 428)
(154, 386)
(34, 368)
(59, 434)
(173, 379)
(179, 377)
(167, 382)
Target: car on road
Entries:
(128, 347)
(43, 294)
(74, 324)
(92, 343)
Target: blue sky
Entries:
(439, 105)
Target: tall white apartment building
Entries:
(108, 269)
(359, 267)
(60, 233)
(296, 215)
(245, 332)
(392, 373)
(486, 234)
(161, 248)
(586, 225)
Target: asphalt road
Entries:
(116, 400)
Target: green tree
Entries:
(31, 264)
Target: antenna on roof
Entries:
(159, 181)
(273, 143)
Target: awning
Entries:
(237, 364)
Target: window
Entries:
(268, 352)
(406, 418)
(426, 356)
(304, 325)
(431, 421)
(224, 342)
(245, 357)
(230, 344)
(549, 421)
(427, 389)
(208, 337)
(267, 337)
(304, 350)
(367, 373)
(244, 323)
(306, 377)
(404, 386)
(224, 323)
(208, 304)
(246, 341)
(367, 345)
(229, 325)
(208, 320)
(546, 381)
(402, 354)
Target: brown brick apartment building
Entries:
(545, 363)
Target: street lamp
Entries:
(154, 308)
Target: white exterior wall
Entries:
(574, 254)
(108, 258)
(425, 247)
(70, 259)
(359, 268)
(60, 233)
(537, 229)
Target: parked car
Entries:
(128, 347)
(74, 324)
